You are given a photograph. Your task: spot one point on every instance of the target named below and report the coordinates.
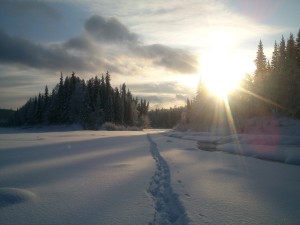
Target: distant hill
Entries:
(5, 114)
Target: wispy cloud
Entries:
(163, 93)
(176, 60)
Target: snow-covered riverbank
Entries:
(269, 139)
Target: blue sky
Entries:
(160, 49)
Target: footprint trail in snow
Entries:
(168, 208)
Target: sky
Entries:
(160, 49)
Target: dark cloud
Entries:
(109, 30)
(79, 43)
(16, 50)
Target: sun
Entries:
(221, 73)
(222, 64)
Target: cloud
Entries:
(176, 60)
(170, 87)
(17, 50)
(109, 30)
(181, 97)
(101, 45)
(163, 100)
(9, 81)
(162, 93)
(80, 43)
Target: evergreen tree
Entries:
(46, 105)
(108, 110)
(275, 59)
(291, 74)
(90, 103)
(260, 80)
(118, 111)
(297, 77)
(298, 48)
(46, 94)
(165, 118)
(282, 55)
(39, 109)
(291, 52)
(261, 64)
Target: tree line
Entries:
(273, 90)
(165, 118)
(90, 103)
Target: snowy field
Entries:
(52, 176)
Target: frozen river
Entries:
(137, 177)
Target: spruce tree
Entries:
(282, 55)
(291, 52)
(275, 59)
(261, 64)
(108, 110)
(298, 49)
(46, 105)
(90, 103)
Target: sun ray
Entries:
(262, 98)
(233, 129)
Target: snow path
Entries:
(168, 209)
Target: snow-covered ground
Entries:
(151, 177)
(75, 177)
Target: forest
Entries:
(273, 90)
(90, 103)
(165, 118)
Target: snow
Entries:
(49, 176)
(218, 188)
(268, 139)
(168, 209)
(75, 177)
